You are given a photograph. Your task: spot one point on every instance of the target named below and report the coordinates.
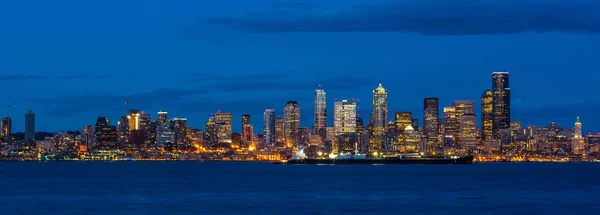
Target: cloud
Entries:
(453, 17)
(265, 84)
(66, 106)
(40, 77)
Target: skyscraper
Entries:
(291, 122)
(501, 101)
(123, 129)
(451, 122)
(487, 115)
(463, 107)
(344, 117)
(320, 112)
(180, 130)
(468, 131)
(402, 120)
(29, 126)
(431, 123)
(210, 131)
(379, 118)
(88, 139)
(247, 130)
(6, 132)
(269, 127)
(223, 121)
(279, 135)
(162, 117)
(577, 130)
(105, 133)
(134, 120)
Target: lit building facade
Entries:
(247, 131)
(577, 129)
(451, 123)
(105, 133)
(162, 117)
(269, 127)
(223, 121)
(320, 112)
(6, 132)
(134, 120)
(210, 132)
(379, 118)
(487, 115)
(291, 122)
(501, 101)
(279, 134)
(431, 126)
(344, 117)
(468, 131)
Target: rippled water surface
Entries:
(262, 188)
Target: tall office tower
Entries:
(210, 131)
(162, 117)
(88, 138)
(7, 129)
(487, 115)
(431, 124)
(291, 122)
(146, 126)
(223, 121)
(402, 120)
(463, 107)
(134, 120)
(269, 127)
(29, 126)
(105, 133)
(320, 112)
(577, 130)
(468, 131)
(180, 128)
(165, 137)
(279, 134)
(247, 131)
(415, 124)
(360, 132)
(344, 117)
(379, 118)
(411, 140)
(501, 101)
(451, 123)
(123, 129)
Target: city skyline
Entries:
(194, 58)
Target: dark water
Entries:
(262, 188)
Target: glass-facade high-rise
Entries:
(291, 122)
(431, 116)
(379, 118)
(320, 112)
(269, 127)
(162, 117)
(224, 130)
(247, 130)
(468, 131)
(279, 135)
(344, 117)
(29, 126)
(501, 101)
(487, 115)
(6, 129)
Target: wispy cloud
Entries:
(452, 17)
(333, 83)
(66, 106)
(41, 77)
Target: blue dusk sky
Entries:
(71, 61)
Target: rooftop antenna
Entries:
(126, 108)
